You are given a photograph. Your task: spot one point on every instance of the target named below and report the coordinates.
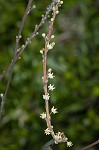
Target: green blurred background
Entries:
(75, 63)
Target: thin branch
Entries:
(91, 145)
(24, 17)
(36, 30)
(17, 41)
(14, 58)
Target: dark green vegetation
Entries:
(75, 63)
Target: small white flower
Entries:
(52, 36)
(51, 87)
(18, 49)
(47, 131)
(1, 95)
(57, 12)
(54, 110)
(16, 37)
(46, 96)
(43, 115)
(34, 6)
(20, 36)
(19, 58)
(54, 8)
(23, 46)
(37, 33)
(49, 46)
(42, 79)
(52, 19)
(50, 75)
(61, 2)
(69, 143)
(49, 70)
(53, 44)
(60, 137)
(41, 51)
(43, 34)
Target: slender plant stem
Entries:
(46, 90)
(91, 145)
(14, 58)
(48, 119)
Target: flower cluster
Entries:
(50, 86)
(60, 137)
(53, 110)
(50, 46)
(50, 74)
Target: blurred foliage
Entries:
(75, 62)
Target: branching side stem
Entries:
(18, 53)
(14, 58)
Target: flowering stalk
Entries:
(57, 137)
(45, 80)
